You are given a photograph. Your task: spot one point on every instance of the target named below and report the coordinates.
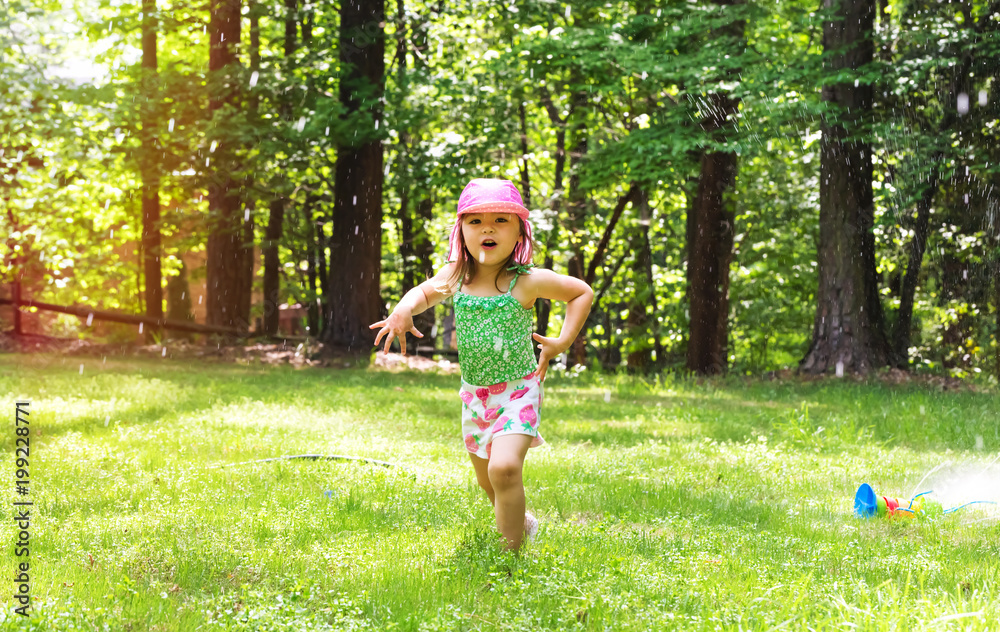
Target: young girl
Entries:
(489, 274)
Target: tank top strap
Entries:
(512, 282)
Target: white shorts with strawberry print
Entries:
(506, 408)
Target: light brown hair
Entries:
(465, 267)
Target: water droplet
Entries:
(963, 104)
(81, 369)
(840, 368)
(607, 397)
(140, 327)
(90, 319)
(170, 125)
(253, 78)
(482, 256)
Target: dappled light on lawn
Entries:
(670, 503)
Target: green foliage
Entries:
(613, 95)
(61, 199)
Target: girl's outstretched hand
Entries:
(396, 325)
(551, 348)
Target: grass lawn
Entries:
(667, 505)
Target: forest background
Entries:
(747, 185)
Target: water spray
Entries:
(959, 489)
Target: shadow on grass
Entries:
(604, 410)
(146, 391)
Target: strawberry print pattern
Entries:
(481, 423)
(490, 412)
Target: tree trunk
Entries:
(639, 358)
(961, 82)
(848, 331)
(179, 300)
(416, 250)
(710, 229)
(543, 306)
(996, 308)
(313, 307)
(226, 280)
(272, 267)
(151, 239)
(253, 106)
(423, 249)
(247, 259)
(356, 252)
(276, 207)
(708, 265)
(522, 116)
(19, 327)
(576, 210)
(900, 351)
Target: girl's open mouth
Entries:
(489, 244)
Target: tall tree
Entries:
(848, 330)
(643, 300)
(710, 250)
(543, 307)
(577, 202)
(416, 204)
(276, 207)
(228, 257)
(958, 80)
(150, 172)
(356, 249)
(710, 222)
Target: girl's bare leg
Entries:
(482, 476)
(504, 473)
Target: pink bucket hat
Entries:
(484, 195)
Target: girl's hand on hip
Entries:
(551, 348)
(395, 326)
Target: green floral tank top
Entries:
(494, 337)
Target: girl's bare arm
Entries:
(578, 297)
(417, 300)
